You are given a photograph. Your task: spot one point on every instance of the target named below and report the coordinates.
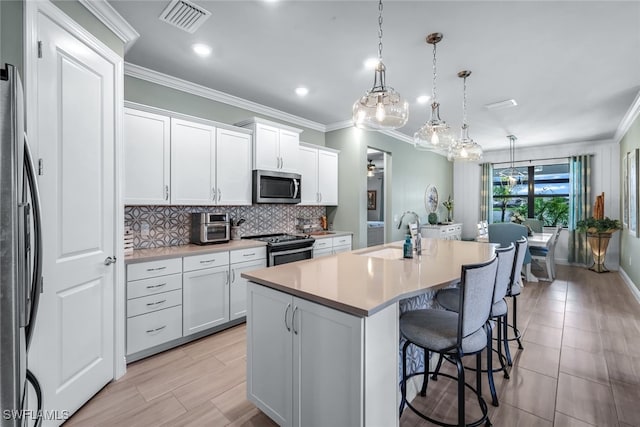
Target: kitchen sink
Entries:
(321, 233)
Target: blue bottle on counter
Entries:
(407, 248)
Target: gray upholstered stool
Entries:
(450, 300)
(454, 334)
(514, 290)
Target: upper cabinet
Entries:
(147, 139)
(183, 162)
(319, 170)
(275, 145)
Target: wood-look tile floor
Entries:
(580, 367)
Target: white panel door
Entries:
(289, 143)
(328, 177)
(308, 167)
(238, 287)
(192, 160)
(205, 299)
(146, 158)
(233, 167)
(266, 148)
(73, 347)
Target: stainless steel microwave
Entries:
(276, 187)
(209, 228)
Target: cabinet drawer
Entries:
(148, 330)
(155, 302)
(341, 241)
(144, 270)
(323, 243)
(198, 262)
(250, 254)
(318, 253)
(143, 288)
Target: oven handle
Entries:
(297, 187)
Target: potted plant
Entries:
(449, 206)
(599, 229)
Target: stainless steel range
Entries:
(284, 248)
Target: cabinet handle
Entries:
(166, 192)
(320, 196)
(251, 254)
(219, 194)
(233, 275)
(156, 330)
(214, 195)
(207, 261)
(156, 269)
(227, 278)
(156, 286)
(293, 321)
(151, 304)
(286, 310)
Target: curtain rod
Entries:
(521, 162)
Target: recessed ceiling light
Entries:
(371, 63)
(423, 99)
(201, 49)
(302, 91)
(501, 105)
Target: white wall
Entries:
(605, 178)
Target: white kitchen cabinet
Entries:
(331, 245)
(233, 167)
(443, 231)
(192, 163)
(147, 153)
(303, 360)
(319, 170)
(238, 286)
(275, 145)
(341, 244)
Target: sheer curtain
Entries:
(579, 206)
(486, 192)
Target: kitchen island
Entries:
(322, 334)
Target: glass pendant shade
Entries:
(512, 176)
(465, 149)
(381, 108)
(434, 135)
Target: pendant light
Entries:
(512, 176)
(371, 168)
(435, 134)
(465, 149)
(381, 108)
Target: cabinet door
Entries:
(205, 299)
(270, 353)
(146, 158)
(266, 148)
(238, 287)
(327, 352)
(192, 157)
(328, 177)
(308, 162)
(289, 143)
(233, 168)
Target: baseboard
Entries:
(632, 286)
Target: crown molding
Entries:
(339, 125)
(628, 119)
(156, 77)
(349, 123)
(113, 21)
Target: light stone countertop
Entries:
(365, 281)
(326, 234)
(155, 254)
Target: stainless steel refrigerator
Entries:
(20, 256)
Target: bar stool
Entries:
(450, 300)
(515, 288)
(454, 334)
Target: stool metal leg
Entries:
(438, 366)
(492, 386)
(515, 320)
(425, 381)
(403, 384)
(504, 330)
(461, 402)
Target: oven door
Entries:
(291, 255)
(214, 232)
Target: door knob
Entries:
(109, 260)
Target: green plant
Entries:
(593, 225)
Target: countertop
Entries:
(326, 234)
(365, 281)
(154, 254)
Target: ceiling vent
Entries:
(501, 105)
(185, 15)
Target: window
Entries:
(540, 192)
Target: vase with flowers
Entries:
(448, 204)
(599, 229)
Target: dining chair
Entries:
(536, 225)
(547, 254)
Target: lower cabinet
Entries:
(331, 246)
(304, 360)
(238, 287)
(443, 232)
(205, 295)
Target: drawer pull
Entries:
(156, 286)
(153, 331)
(151, 304)
(251, 254)
(207, 261)
(156, 269)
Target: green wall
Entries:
(155, 95)
(630, 245)
(11, 34)
(408, 176)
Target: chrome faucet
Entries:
(418, 244)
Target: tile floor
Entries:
(580, 367)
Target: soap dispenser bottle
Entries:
(408, 247)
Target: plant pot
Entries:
(599, 242)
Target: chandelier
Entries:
(511, 176)
(465, 149)
(381, 108)
(371, 168)
(434, 135)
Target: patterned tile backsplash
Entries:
(170, 225)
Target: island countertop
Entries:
(365, 281)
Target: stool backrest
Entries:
(506, 257)
(476, 296)
(521, 250)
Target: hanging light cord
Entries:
(464, 102)
(380, 31)
(435, 98)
